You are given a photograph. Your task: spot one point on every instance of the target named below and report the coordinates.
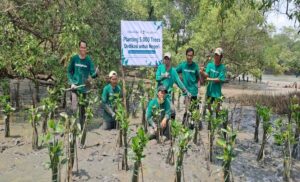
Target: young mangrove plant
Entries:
(196, 118)
(215, 123)
(48, 106)
(284, 136)
(157, 119)
(7, 110)
(138, 144)
(265, 114)
(71, 131)
(34, 118)
(227, 144)
(176, 127)
(55, 148)
(223, 114)
(257, 121)
(122, 119)
(295, 117)
(85, 115)
(143, 102)
(184, 137)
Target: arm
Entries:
(158, 75)
(104, 99)
(149, 114)
(70, 72)
(179, 82)
(93, 72)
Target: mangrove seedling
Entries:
(265, 114)
(227, 144)
(143, 102)
(71, 131)
(48, 106)
(122, 119)
(215, 123)
(183, 140)
(295, 117)
(55, 148)
(34, 119)
(138, 144)
(157, 117)
(257, 121)
(176, 127)
(7, 110)
(284, 136)
(196, 118)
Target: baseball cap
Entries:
(219, 51)
(112, 73)
(167, 54)
(162, 88)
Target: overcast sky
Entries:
(279, 19)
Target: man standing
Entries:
(79, 69)
(215, 74)
(110, 92)
(190, 76)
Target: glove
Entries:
(113, 115)
(165, 75)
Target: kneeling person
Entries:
(162, 104)
(110, 92)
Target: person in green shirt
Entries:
(215, 74)
(160, 102)
(166, 75)
(110, 92)
(78, 72)
(190, 76)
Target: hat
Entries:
(167, 54)
(162, 88)
(112, 73)
(219, 51)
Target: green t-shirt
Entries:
(213, 71)
(79, 71)
(190, 75)
(165, 107)
(168, 82)
(109, 94)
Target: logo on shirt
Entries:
(214, 71)
(191, 71)
(81, 65)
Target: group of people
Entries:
(81, 67)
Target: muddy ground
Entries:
(100, 161)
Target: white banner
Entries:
(141, 43)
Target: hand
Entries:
(189, 94)
(163, 123)
(154, 127)
(113, 115)
(73, 86)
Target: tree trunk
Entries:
(173, 98)
(144, 122)
(179, 166)
(262, 148)
(64, 100)
(195, 140)
(287, 162)
(211, 142)
(7, 129)
(125, 158)
(44, 125)
(17, 96)
(256, 128)
(135, 176)
(37, 91)
(226, 171)
(178, 101)
(35, 139)
(295, 153)
(120, 138)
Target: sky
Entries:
(279, 19)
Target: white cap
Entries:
(112, 73)
(219, 51)
(167, 54)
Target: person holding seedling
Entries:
(80, 68)
(190, 76)
(158, 112)
(110, 92)
(215, 74)
(166, 75)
